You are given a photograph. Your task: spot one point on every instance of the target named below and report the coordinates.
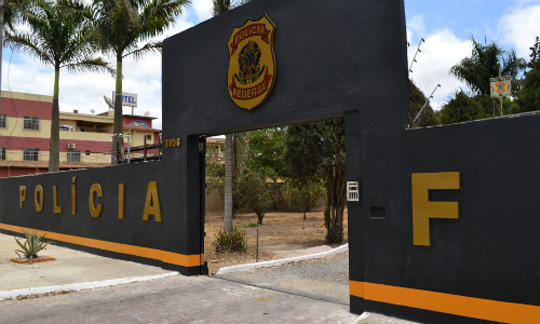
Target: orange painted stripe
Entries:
(194, 260)
(485, 309)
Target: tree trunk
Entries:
(275, 190)
(235, 154)
(329, 202)
(54, 142)
(117, 140)
(227, 219)
(336, 192)
(260, 217)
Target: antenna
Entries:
(417, 51)
(109, 102)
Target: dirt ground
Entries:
(281, 235)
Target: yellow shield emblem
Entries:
(252, 63)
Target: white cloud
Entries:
(416, 24)
(519, 27)
(85, 91)
(202, 9)
(441, 50)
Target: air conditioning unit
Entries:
(71, 146)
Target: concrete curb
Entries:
(273, 263)
(78, 286)
(361, 317)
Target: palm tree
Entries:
(484, 63)
(219, 7)
(9, 12)
(228, 199)
(57, 37)
(119, 26)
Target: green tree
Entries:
(461, 108)
(215, 170)
(484, 63)
(57, 36)
(265, 152)
(318, 149)
(491, 107)
(256, 193)
(305, 192)
(529, 96)
(417, 100)
(119, 26)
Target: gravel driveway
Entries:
(326, 278)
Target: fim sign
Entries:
(128, 99)
(499, 87)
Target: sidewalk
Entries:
(71, 268)
(127, 292)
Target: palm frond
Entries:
(483, 64)
(157, 15)
(91, 65)
(150, 47)
(29, 44)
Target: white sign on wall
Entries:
(499, 87)
(128, 99)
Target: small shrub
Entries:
(33, 244)
(234, 240)
(250, 225)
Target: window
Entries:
(87, 152)
(3, 121)
(31, 122)
(74, 156)
(30, 154)
(66, 128)
(2, 153)
(148, 137)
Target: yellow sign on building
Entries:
(252, 63)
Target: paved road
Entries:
(171, 299)
(176, 299)
(326, 278)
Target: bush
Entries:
(33, 244)
(234, 240)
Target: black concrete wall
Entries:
(334, 59)
(167, 235)
(490, 252)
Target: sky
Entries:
(445, 25)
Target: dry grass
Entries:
(281, 231)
